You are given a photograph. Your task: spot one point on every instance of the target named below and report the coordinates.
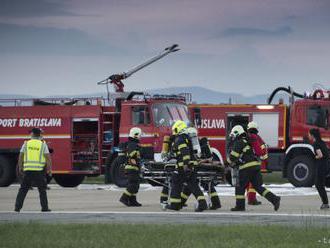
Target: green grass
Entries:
(120, 235)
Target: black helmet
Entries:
(36, 131)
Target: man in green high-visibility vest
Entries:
(34, 157)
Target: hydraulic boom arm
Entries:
(116, 79)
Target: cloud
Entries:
(18, 39)
(33, 8)
(256, 32)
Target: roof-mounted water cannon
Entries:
(116, 79)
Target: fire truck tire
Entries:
(300, 171)
(7, 172)
(118, 173)
(69, 181)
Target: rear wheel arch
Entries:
(294, 151)
(299, 166)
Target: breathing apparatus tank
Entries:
(192, 132)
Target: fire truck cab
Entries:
(283, 127)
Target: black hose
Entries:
(287, 90)
(134, 93)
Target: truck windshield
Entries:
(317, 116)
(165, 114)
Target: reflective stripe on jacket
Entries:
(182, 150)
(242, 154)
(34, 157)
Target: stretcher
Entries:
(159, 173)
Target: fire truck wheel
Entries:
(7, 172)
(69, 181)
(118, 173)
(300, 171)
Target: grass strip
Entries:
(128, 235)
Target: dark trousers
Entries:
(38, 179)
(190, 181)
(252, 175)
(209, 187)
(133, 183)
(320, 172)
(164, 194)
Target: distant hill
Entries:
(14, 96)
(203, 95)
(199, 95)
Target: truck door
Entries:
(233, 120)
(141, 118)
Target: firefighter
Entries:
(167, 154)
(206, 155)
(132, 169)
(184, 170)
(260, 150)
(321, 152)
(242, 156)
(34, 156)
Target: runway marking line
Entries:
(174, 213)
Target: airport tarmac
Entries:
(89, 203)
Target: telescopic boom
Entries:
(115, 79)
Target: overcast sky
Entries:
(50, 47)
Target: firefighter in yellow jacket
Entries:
(185, 173)
(206, 155)
(33, 158)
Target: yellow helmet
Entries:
(178, 127)
(237, 130)
(252, 124)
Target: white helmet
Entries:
(253, 125)
(192, 132)
(135, 133)
(237, 130)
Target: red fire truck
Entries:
(283, 127)
(83, 133)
